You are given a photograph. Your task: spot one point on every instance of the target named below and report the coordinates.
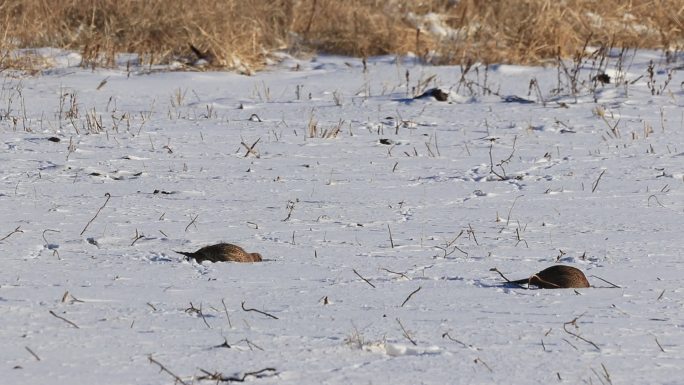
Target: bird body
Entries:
(557, 277)
(222, 252)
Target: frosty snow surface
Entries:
(379, 217)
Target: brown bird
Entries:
(556, 277)
(222, 252)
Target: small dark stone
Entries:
(386, 141)
(54, 139)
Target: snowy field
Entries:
(379, 217)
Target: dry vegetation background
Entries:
(243, 32)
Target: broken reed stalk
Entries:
(64, 319)
(406, 334)
(191, 223)
(596, 183)
(97, 213)
(397, 273)
(574, 323)
(390, 235)
(163, 368)
(201, 313)
(250, 149)
(360, 276)
(38, 358)
(508, 219)
(219, 377)
(608, 282)
(508, 280)
(446, 335)
(648, 201)
(258, 311)
(478, 359)
(225, 308)
(410, 295)
(12, 233)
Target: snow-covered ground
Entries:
(400, 191)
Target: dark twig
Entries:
(472, 232)
(12, 233)
(596, 183)
(491, 164)
(367, 281)
(478, 359)
(191, 223)
(501, 274)
(608, 282)
(250, 149)
(38, 358)
(47, 244)
(162, 368)
(219, 377)
(258, 311)
(193, 309)
(96, 214)
(137, 237)
(508, 219)
(225, 344)
(508, 280)
(230, 325)
(390, 235)
(648, 201)
(411, 295)
(64, 319)
(394, 272)
(290, 208)
(574, 323)
(406, 334)
(251, 344)
(446, 335)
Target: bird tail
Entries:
(520, 281)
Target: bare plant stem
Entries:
(38, 358)
(250, 149)
(12, 233)
(406, 334)
(219, 377)
(96, 214)
(574, 323)
(191, 223)
(508, 219)
(64, 319)
(162, 368)
(446, 335)
(390, 235)
(394, 272)
(596, 183)
(258, 311)
(230, 325)
(367, 281)
(608, 282)
(410, 295)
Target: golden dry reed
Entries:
(241, 33)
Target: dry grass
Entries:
(240, 34)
